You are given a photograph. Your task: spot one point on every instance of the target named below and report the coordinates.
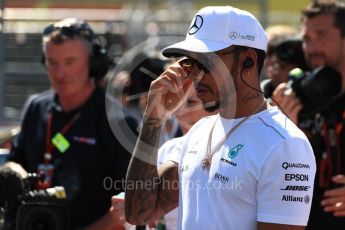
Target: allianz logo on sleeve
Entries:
(301, 199)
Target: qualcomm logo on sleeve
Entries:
(234, 151)
(287, 165)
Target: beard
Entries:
(315, 60)
(226, 91)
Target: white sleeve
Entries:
(170, 150)
(285, 186)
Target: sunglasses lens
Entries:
(67, 31)
(187, 64)
(76, 29)
(49, 29)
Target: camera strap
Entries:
(330, 163)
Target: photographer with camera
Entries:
(324, 45)
(285, 55)
(65, 135)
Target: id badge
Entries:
(60, 142)
(46, 173)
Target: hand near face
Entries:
(17, 168)
(168, 92)
(335, 198)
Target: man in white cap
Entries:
(248, 167)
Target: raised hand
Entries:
(168, 92)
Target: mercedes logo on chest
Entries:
(198, 21)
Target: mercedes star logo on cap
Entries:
(233, 35)
(198, 21)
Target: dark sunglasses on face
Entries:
(188, 63)
(76, 29)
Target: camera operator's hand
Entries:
(168, 92)
(288, 101)
(114, 219)
(117, 210)
(17, 168)
(335, 198)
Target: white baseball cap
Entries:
(214, 28)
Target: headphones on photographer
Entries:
(70, 28)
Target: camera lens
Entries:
(42, 216)
(315, 89)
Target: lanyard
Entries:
(49, 145)
(330, 163)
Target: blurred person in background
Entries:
(324, 45)
(146, 70)
(285, 56)
(120, 81)
(132, 86)
(276, 34)
(65, 135)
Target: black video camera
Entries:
(315, 89)
(29, 209)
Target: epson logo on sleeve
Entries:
(287, 165)
(296, 188)
(296, 177)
